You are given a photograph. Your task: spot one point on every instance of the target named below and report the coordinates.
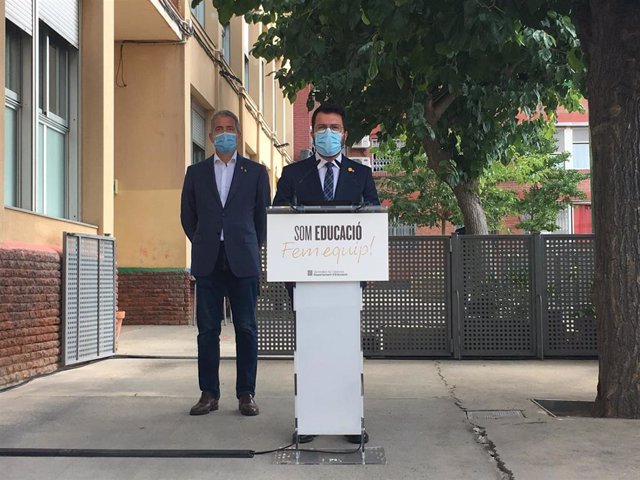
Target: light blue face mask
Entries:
(328, 143)
(225, 142)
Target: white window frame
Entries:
(196, 140)
(565, 138)
(198, 12)
(226, 42)
(31, 176)
(66, 125)
(21, 102)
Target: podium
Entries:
(327, 251)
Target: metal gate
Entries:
(567, 270)
(494, 295)
(89, 297)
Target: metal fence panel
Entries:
(89, 305)
(408, 315)
(467, 296)
(276, 334)
(568, 315)
(495, 279)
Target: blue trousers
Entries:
(243, 296)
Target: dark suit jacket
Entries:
(244, 216)
(300, 182)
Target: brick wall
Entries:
(155, 297)
(301, 123)
(30, 309)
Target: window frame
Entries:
(565, 140)
(226, 42)
(195, 145)
(247, 73)
(21, 103)
(50, 120)
(575, 142)
(198, 13)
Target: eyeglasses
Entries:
(333, 127)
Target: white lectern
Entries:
(328, 251)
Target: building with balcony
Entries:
(106, 104)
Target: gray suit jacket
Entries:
(243, 217)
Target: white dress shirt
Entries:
(322, 171)
(224, 176)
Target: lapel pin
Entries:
(350, 170)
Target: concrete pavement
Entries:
(415, 409)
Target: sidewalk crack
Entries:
(479, 432)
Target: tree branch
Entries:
(436, 107)
(435, 154)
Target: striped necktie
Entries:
(328, 182)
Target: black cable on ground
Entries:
(95, 453)
(157, 453)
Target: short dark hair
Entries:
(328, 109)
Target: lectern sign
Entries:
(327, 247)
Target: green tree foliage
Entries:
(432, 65)
(416, 196)
(547, 187)
(419, 197)
(452, 76)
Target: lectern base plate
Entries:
(370, 456)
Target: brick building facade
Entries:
(30, 310)
(156, 297)
(576, 219)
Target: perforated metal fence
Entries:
(276, 334)
(409, 315)
(89, 298)
(517, 296)
(494, 293)
(568, 269)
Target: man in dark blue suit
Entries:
(326, 176)
(224, 215)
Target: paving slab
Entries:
(415, 409)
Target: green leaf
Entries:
(373, 67)
(574, 59)
(443, 48)
(472, 65)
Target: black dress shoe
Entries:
(207, 403)
(302, 438)
(247, 405)
(356, 438)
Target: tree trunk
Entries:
(610, 34)
(475, 221)
(467, 193)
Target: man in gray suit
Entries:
(224, 215)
